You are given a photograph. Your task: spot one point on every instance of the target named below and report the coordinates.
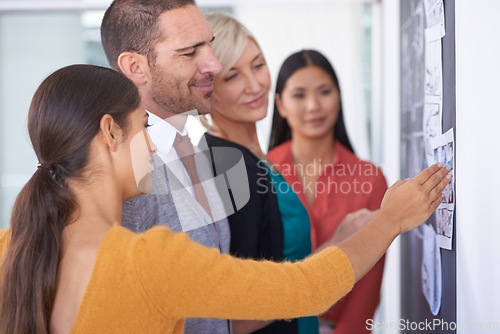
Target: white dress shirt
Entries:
(163, 134)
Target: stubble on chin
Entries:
(208, 105)
(203, 104)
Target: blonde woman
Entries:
(273, 224)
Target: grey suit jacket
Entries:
(170, 204)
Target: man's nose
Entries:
(210, 63)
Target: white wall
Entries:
(477, 154)
(390, 306)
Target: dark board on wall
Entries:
(414, 307)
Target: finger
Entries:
(436, 179)
(362, 212)
(434, 205)
(426, 174)
(357, 214)
(436, 193)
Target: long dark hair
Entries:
(64, 117)
(280, 131)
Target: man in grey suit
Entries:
(163, 46)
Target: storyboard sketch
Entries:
(444, 152)
(434, 13)
(433, 92)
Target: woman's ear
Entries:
(135, 67)
(110, 133)
(279, 105)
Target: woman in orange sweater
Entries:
(310, 147)
(66, 265)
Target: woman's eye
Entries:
(326, 92)
(232, 76)
(298, 96)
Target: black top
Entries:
(256, 229)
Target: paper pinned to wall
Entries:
(432, 127)
(444, 152)
(431, 268)
(433, 90)
(434, 14)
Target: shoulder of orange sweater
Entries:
(4, 232)
(4, 240)
(125, 239)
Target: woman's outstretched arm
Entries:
(406, 204)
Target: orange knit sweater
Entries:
(150, 282)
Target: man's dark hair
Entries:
(132, 25)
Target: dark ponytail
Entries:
(280, 131)
(64, 117)
(40, 213)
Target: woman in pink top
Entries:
(310, 146)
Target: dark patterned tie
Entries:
(185, 151)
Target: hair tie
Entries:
(44, 165)
(52, 173)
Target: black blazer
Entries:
(256, 229)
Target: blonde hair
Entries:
(231, 38)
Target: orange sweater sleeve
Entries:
(183, 279)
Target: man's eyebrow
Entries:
(187, 48)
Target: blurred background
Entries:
(38, 37)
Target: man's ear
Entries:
(279, 106)
(110, 132)
(135, 67)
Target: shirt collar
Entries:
(162, 133)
